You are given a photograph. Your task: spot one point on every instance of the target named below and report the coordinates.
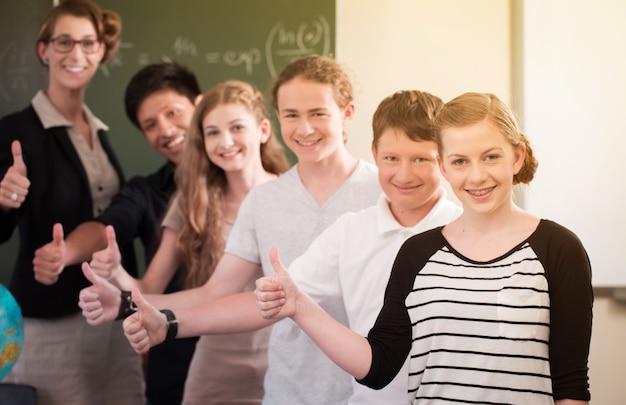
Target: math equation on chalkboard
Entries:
(281, 44)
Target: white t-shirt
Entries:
(351, 260)
(282, 213)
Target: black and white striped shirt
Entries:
(513, 330)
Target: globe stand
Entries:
(17, 394)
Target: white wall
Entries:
(574, 83)
(448, 47)
(442, 47)
(572, 94)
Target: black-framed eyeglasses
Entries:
(66, 44)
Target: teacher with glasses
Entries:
(57, 167)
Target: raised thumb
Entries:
(277, 264)
(111, 240)
(139, 300)
(90, 274)
(57, 234)
(18, 160)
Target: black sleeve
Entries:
(391, 336)
(568, 271)
(127, 210)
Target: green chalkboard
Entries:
(21, 75)
(249, 40)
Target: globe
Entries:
(11, 331)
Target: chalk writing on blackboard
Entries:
(116, 61)
(247, 58)
(184, 46)
(282, 45)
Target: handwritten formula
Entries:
(282, 44)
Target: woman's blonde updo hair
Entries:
(471, 108)
(108, 24)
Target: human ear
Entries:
(41, 50)
(520, 157)
(102, 50)
(348, 113)
(374, 154)
(266, 130)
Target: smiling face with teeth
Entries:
(479, 163)
(232, 138)
(164, 118)
(311, 121)
(72, 70)
(408, 174)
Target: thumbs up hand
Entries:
(14, 185)
(49, 260)
(101, 301)
(276, 296)
(145, 328)
(107, 262)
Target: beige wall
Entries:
(607, 361)
(447, 48)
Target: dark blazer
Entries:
(59, 192)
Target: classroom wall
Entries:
(446, 48)
(573, 101)
(572, 89)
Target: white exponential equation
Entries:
(284, 43)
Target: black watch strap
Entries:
(127, 306)
(172, 325)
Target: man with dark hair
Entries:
(160, 101)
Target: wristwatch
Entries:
(172, 325)
(127, 306)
